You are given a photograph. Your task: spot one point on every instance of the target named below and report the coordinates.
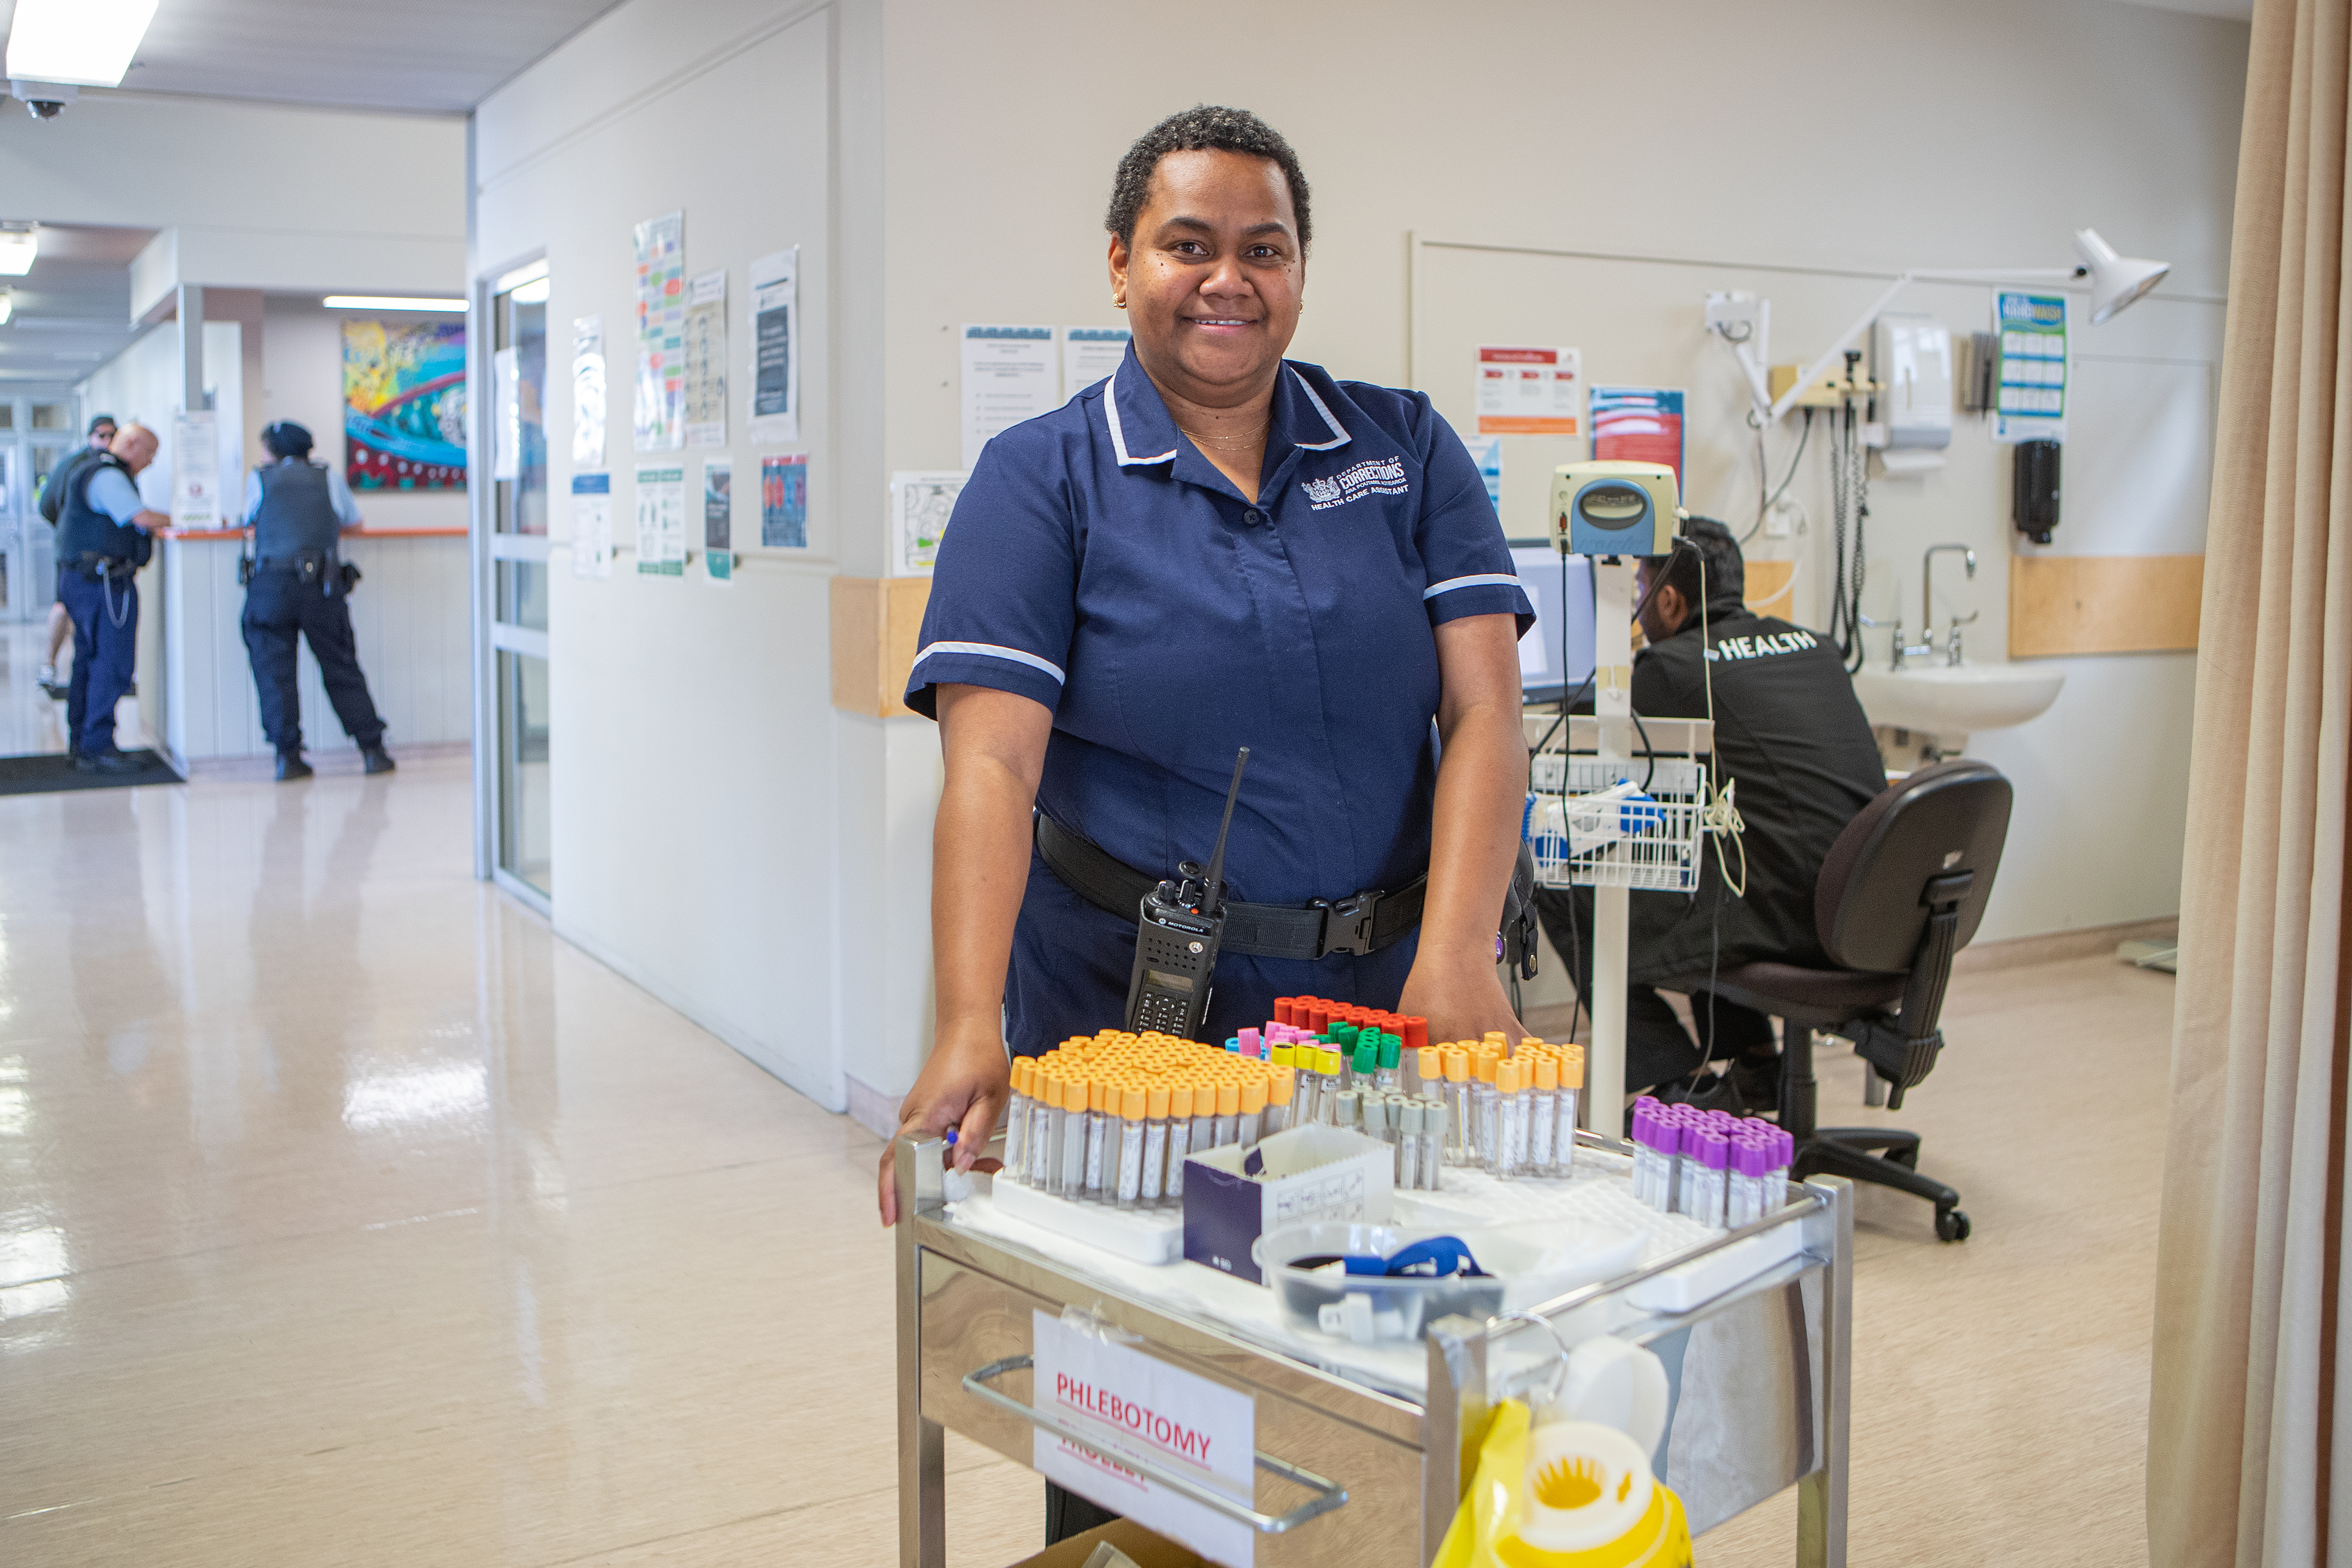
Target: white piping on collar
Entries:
(1337, 430)
(1119, 433)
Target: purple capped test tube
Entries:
(1743, 1196)
(1711, 1171)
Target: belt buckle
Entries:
(1347, 923)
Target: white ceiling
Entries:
(73, 308)
(439, 56)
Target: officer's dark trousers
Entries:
(1658, 1049)
(104, 654)
(278, 608)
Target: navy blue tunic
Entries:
(1099, 563)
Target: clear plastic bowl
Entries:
(1361, 1308)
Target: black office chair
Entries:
(1902, 890)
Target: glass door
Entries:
(516, 426)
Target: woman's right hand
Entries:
(964, 1085)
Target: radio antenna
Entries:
(1217, 861)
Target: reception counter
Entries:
(410, 614)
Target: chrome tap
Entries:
(1927, 604)
(1904, 650)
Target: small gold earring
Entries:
(1119, 304)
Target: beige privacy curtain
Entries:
(2250, 1428)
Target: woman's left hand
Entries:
(1461, 1001)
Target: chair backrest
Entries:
(1869, 905)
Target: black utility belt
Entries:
(309, 563)
(1362, 922)
(99, 567)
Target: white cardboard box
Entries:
(1232, 1197)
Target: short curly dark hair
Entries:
(1203, 128)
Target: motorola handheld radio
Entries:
(1177, 930)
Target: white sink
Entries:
(1945, 699)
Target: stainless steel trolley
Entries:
(1367, 1478)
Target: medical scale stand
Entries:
(1612, 706)
(1351, 1474)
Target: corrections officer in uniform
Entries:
(52, 503)
(299, 586)
(103, 538)
(1794, 751)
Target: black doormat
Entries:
(46, 771)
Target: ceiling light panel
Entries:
(89, 43)
(388, 302)
(18, 246)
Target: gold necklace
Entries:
(1229, 440)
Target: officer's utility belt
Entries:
(98, 567)
(1360, 922)
(307, 565)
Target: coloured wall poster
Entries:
(1008, 376)
(505, 415)
(195, 470)
(1529, 391)
(1487, 451)
(661, 332)
(1639, 424)
(719, 517)
(404, 406)
(2033, 329)
(706, 359)
(1088, 354)
(776, 347)
(588, 393)
(592, 525)
(661, 522)
(921, 505)
(784, 502)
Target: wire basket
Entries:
(1583, 838)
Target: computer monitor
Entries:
(1561, 587)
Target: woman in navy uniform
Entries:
(1215, 548)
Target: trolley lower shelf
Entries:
(1348, 1474)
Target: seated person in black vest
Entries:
(103, 539)
(1796, 755)
(297, 511)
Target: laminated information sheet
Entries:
(1009, 375)
(592, 525)
(1529, 391)
(661, 522)
(661, 334)
(706, 359)
(588, 392)
(776, 347)
(719, 517)
(1142, 1409)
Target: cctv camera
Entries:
(44, 100)
(43, 108)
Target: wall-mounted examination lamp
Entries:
(2116, 281)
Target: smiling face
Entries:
(1211, 283)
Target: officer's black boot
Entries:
(377, 759)
(290, 766)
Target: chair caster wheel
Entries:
(1951, 1224)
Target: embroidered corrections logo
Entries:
(1373, 477)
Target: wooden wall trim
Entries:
(2065, 606)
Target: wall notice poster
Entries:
(2033, 329)
(921, 505)
(1487, 451)
(719, 517)
(1088, 354)
(1008, 376)
(505, 415)
(776, 347)
(588, 392)
(706, 359)
(784, 502)
(404, 406)
(195, 470)
(661, 522)
(1639, 424)
(661, 334)
(1529, 392)
(1144, 1410)
(592, 525)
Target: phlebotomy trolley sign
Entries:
(1131, 1404)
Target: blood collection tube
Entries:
(1282, 1007)
(1458, 1106)
(1390, 1074)
(1326, 1095)
(1368, 1062)
(1318, 1015)
(1098, 1135)
(1345, 1110)
(1509, 1123)
(1155, 1146)
(1252, 1113)
(1687, 1189)
(1017, 1120)
(1281, 1085)
(1180, 1140)
(1486, 1118)
(1132, 1137)
(1228, 1112)
(1204, 1115)
(1071, 1179)
(1571, 1092)
(1713, 1165)
(1743, 1193)
(1433, 1120)
(1543, 1117)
